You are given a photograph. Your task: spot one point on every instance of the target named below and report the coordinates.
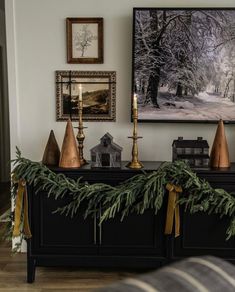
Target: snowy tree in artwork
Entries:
(85, 42)
(184, 64)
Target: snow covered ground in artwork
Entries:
(205, 106)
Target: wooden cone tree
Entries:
(219, 157)
(69, 156)
(51, 154)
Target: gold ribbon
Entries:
(173, 211)
(21, 207)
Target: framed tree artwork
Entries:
(98, 95)
(184, 64)
(84, 40)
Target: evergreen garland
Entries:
(136, 194)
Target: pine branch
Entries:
(137, 194)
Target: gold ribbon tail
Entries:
(21, 206)
(26, 229)
(18, 208)
(173, 212)
(177, 217)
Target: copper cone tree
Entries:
(219, 157)
(69, 156)
(51, 154)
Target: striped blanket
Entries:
(197, 274)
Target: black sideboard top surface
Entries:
(148, 166)
(86, 171)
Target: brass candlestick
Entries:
(80, 136)
(135, 163)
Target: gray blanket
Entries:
(192, 274)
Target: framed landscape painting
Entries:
(184, 64)
(98, 95)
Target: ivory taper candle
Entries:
(80, 92)
(135, 101)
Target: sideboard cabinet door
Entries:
(56, 233)
(135, 235)
(203, 234)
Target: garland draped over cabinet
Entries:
(136, 194)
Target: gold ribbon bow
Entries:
(173, 209)
(21, 206)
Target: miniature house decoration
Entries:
(106, 154)
(195, 152)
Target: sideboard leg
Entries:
(31, 266)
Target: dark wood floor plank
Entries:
(13, 276)
(26, 289)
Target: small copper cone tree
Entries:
(69, 156)
(51, 154)
(219, 157)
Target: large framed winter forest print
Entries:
(184, 64)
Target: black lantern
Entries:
(195, 152)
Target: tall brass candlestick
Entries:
(135, 163)
(80, 136)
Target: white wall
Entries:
(37, 47)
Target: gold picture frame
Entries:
(99, 95)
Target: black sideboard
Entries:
(136, 242)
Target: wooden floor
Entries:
(13, 276)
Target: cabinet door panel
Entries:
(136, 235)
(206, 234)
(203, 234)
(60, 234)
